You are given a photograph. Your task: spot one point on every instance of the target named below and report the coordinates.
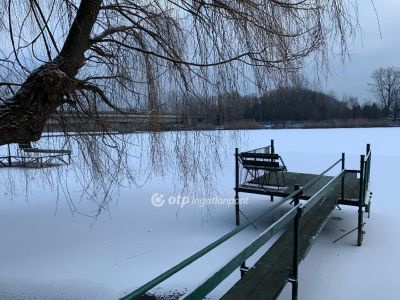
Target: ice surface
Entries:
(47, 253)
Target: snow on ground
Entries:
(50, 254)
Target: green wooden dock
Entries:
(262, 171)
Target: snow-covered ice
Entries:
(50, 254)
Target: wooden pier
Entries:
(262, 171)
(279, 264)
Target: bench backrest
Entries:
(260, 164)
(269, 156)
(262, 161)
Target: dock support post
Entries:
(9, 155)
(237, 208)
(361, 202)
(343, 167)
(295, 271)
(272, 147)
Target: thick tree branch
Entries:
(71, 57)
(25, 114)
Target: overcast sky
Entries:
(369, 51)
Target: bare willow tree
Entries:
(385, 86)
(89, 56)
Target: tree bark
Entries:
(23, 116)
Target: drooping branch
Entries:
(149, 57)
(128, 49)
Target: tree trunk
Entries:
(23, 116)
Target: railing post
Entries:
(9, 156)
(361, 202)
(272, 147)
(367, 176)
(343, 167)
(237, 208)
(368, 167)
(295, 270)
(243, 267)
(272, 152)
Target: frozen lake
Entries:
(46, 252)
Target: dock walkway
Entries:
(269, 275)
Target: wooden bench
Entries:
(267, 162)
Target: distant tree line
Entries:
(304, 104)
(282, 104)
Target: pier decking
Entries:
(256, 185)
(271, 272)
(262, 171)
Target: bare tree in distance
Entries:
(90, 56)
(385, 86)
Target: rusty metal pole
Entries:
(361, 202)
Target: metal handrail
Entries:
(319, 194)
(214, 280)
(151, 284)
(148, 286)
(319, 177)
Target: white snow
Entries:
(46, 253)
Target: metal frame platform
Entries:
(36, 158)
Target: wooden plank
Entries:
(271, 272)
(49, 151)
